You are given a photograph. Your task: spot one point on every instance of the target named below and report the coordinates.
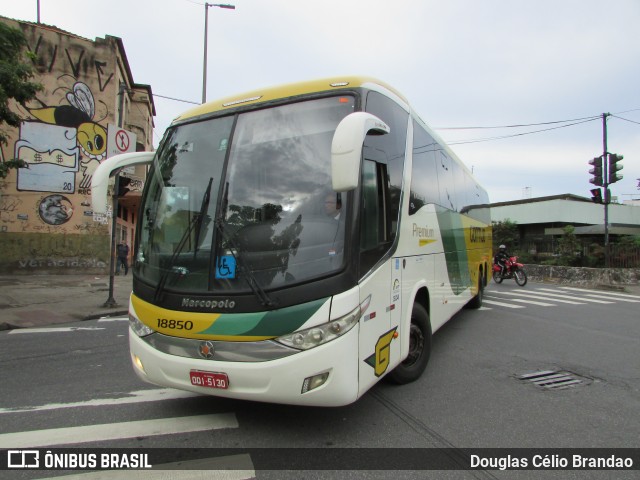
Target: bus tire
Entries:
(419, 348)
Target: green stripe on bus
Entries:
(267, 324)
(455, 249)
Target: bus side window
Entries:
(424, 176)
(389, 149)
(446, 182)
(375, 232)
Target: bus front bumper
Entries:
(275, 381)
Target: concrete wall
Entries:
(583, 276)
(44, 253)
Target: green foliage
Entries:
(506, 232)
(632, 240)
(569, 247)
(8, 164)
(15, 73)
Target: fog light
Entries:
(138, 363)
(316, 381)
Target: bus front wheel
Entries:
(419, 348)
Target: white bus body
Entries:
(297, 244)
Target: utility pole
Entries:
(111, 301)
(607, 194)
(605, 172)
(206, 33)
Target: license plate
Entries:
(209, 379)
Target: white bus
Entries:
(297, 244)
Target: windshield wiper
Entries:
(196, 223)
(203, 209)
(255, 287)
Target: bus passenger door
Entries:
(378, 344)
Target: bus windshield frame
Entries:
(243, 202)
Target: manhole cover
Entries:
(554, 379)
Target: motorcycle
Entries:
(513, 269)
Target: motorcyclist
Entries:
(500, 259)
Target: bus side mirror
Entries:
(346, 148)
(100, 179)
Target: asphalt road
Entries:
(72, 386)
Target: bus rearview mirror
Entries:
(346, 148)
(100, 179)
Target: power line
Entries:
(576, 121)
(478, 140)
(484, 127)
(176, 99)
(579, 120)
(625, 119)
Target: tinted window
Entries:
(389, 149)
(424, 177)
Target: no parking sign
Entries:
(120, 141)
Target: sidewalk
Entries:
(41, 300)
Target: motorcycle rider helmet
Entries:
(502, 248)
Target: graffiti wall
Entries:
(46, 220)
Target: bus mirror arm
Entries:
(346, 148)
(100, 178)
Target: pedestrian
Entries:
(123, 258)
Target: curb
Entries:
(98, 316)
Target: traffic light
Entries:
(596, 171)
(123, 185)
(614, 158)
(596, 195)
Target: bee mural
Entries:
(90, 137)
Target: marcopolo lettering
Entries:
(201, 303)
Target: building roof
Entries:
(564, 196)
(567, 209)
(117, 40)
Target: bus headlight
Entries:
(320, 334)
(138, 327)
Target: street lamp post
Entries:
(206, 28)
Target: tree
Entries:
(505, 232)
(568, 244)
(15, 75)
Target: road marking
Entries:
(52, 330)
(592, 300)
(508, 305)
(533, 302)
(539, 296)
(138, 396)
(116, 431)
(608, 294)
(628, 300)
(231, 467)
(113, 319)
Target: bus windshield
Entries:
(245, 201)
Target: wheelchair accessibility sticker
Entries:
(226, 267)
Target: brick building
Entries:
(89, 109)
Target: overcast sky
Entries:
(461, 63)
